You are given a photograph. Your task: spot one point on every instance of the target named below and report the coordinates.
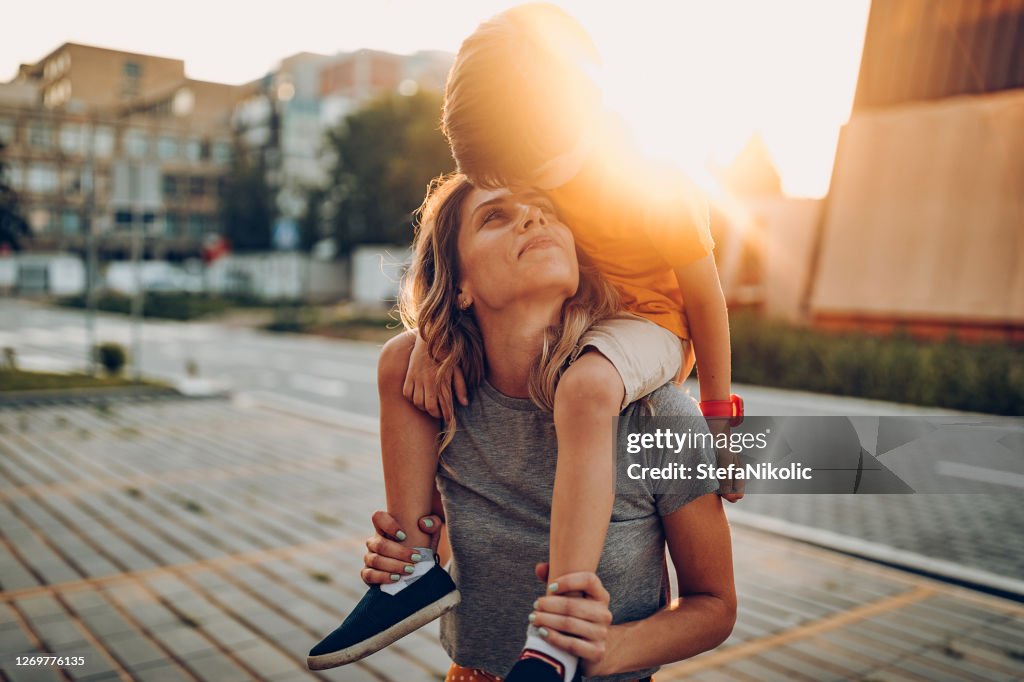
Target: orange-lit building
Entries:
(83, 107)
(923, 227)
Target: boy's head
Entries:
(520, 96)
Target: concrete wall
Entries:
(925, 217)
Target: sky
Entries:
(694, 79)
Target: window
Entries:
(40, 135)
(73, 181)
(6, 131)
(15, 175)
(40, 219)
(196, 187)
(196, 223)
(172, 225)
(193, 149)
(136, 143)
(70, 222)
(103, 141)
(123, 220)
(170, 187)
(42, 178)
(167, 147)
(221, 152)
(71, 138)
(132, 69)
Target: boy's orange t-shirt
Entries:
(637, 221)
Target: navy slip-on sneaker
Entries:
(536, 666)
(380, 619)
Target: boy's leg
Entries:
(634, 357)
(408, 444)
(409, 450)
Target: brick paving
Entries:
(217, 540)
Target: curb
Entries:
(88, 396)
(946, 571)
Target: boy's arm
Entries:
(709, 326)
(709, 332)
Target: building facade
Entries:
(70, 121)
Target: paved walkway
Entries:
(216, 540)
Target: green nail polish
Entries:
(429, 523)
(553, 587)
(536, 604)
(417, 557)
(409, 569)
(395, 577)
(400, 535)
(532, 617)
(543, 632)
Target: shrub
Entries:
(112, 356)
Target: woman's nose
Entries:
(531, 216)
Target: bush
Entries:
(170, 305)
(112, 356)
(984, 377)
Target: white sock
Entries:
(537, 643)
(420, 569)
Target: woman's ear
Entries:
(464, 299)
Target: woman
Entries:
(498, 287)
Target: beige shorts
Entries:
(646, 355)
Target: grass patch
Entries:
(343, 322)
(320, 577)
(984, 377)
(21, 380)
(133, 493)
(168, 305)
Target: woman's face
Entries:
(512, 248)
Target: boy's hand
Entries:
(429, 391)
(730, 489)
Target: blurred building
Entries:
(287, 113)
(71, 120)
(923, 226)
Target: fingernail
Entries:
(409, 569)
(532, 617)
(536, 604)
(553, 587)
(543, 632)
(429, 523)
(417, 557)
(400, 535)
(395, 577)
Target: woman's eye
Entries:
(493, 214)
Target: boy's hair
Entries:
(518, 93)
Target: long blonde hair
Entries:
(428, 301)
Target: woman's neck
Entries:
(513, 339)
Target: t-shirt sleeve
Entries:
(674, 214)
(673, 406)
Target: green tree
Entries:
(386, 153)
(13, 227)
(248, 208)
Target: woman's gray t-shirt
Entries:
(496, 479)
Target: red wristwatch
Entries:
(731, 408)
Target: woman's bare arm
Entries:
(705, 612)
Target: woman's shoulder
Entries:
(667, 401)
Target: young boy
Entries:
(521, 110)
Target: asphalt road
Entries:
(976, 538)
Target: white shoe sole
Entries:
(397, 631)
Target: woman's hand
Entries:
(428, 390)
(386, 557)
(579, 623)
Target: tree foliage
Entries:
(247, 207)
(385, 155)
(13, 226)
